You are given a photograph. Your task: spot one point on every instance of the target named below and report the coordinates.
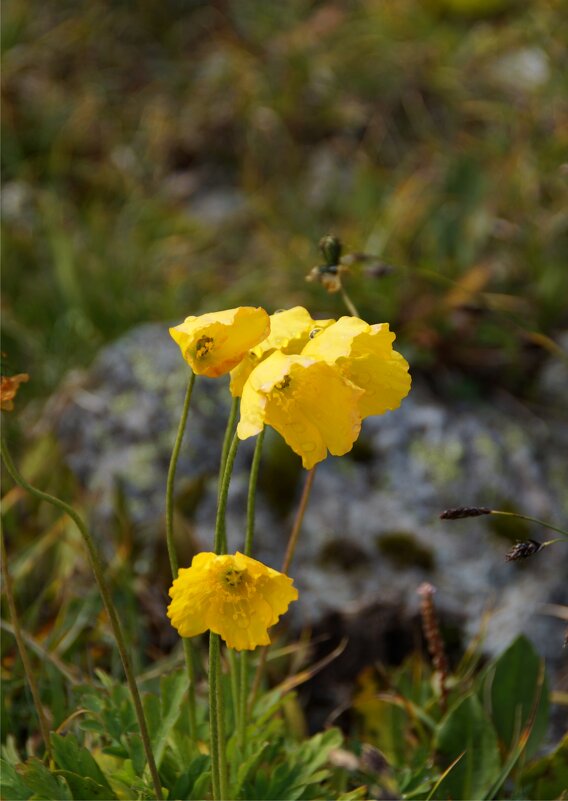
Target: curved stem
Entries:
(98, 571)
(171, 478)
(28, 670)
(531, 520)
(174, 565)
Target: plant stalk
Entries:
(98, 570)
(216, 701)
(170, 541)
(294, 534)
(243, 665)
(531, 520)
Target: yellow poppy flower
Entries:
(290, 329)
(233, 595)
(364, 354)
(212, 344)
(307, 401)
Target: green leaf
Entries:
(84, 788)
(467, 730)
(517, 687)
(246, 768)
(74, 758)
(135, 748)
(44, 785)
(12, 788)
(547, 778)
(172, 691)
(192, 780)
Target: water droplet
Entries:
(308, 447)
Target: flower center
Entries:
(232, 577)
(203, 346)
(284, 383)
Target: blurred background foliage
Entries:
(171, 157)
(174, 157)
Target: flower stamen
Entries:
(284, 384)
(203, 346)
(233, 577)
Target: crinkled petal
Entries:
(365, 355)
(384, 387)
(310, 403)
(290, 330)
(234, 596)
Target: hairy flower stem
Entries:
(292, 542)
(214, 729)
(251, 500)
(28, 670)
(243, 663)
(216, 701)
(174, 565)
(220, 545)
(227, 439)
(98, 570)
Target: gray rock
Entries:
(372, 531)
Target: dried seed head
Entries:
(464, 511)
(434, 638)
(522, 550)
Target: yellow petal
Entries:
(234, 596)
(290, 330)
(214, 343)
(310, 403)
(365, 355)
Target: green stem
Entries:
(251, 501)
(531, 520)
(216, 701)
(234, 665)
(229, 431)
(220, 545)
(243, 674)
(213, 716)
(174, 565)
(28, 670)
(98, 571)
(243, 692)
(223, 773)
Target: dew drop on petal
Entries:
(308, 447)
